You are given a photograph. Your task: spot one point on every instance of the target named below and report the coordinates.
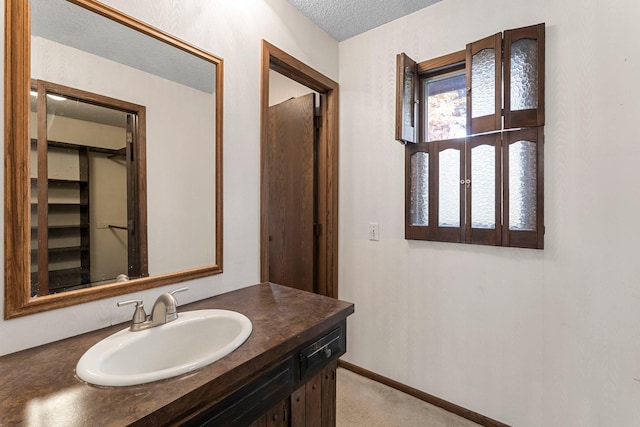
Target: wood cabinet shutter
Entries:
(484, 192)
(419, 195)
(523, 203)
(484, 71)
(448, 179)
(406, 87)
(524, 77)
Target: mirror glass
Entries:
(124, 155)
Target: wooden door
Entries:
(133, 269)
(291, 188)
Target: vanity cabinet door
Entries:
(314, 403)
(278, 416)
(298, 402)
(328, 403)
(260, 422)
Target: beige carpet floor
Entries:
(363, 402)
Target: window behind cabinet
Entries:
(474, 156)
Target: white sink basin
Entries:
(197, 338)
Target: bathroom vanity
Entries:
(283, 375)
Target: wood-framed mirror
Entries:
(68, 68)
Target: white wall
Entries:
(531, 338)
(232, 30)
(282, 88)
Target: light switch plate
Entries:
(374, 231)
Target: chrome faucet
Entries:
(164, 311)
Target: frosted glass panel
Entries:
(522, 186)
(524, 74)
(419, 208)
(446, 115)
(407, 98)
(483, 187)
(483, 83)
(449, 200)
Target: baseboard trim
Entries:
(426, 397)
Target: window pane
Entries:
(483, 187)
(522, 186)
(419, 209)
(483, 82)
(449, 200)
(446, 115)
(524, 74)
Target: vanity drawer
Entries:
(317, 354)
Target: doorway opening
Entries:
(87, 176)
(292, 252)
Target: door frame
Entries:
(276, 59)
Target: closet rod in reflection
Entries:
(117, 227)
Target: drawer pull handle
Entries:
(324, 348)
(327, 352)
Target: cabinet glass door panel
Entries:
(524, 74)
(483, 83)
(449, 195)
(419, 209)
(522, 185)
(483, 187)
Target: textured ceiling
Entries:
(343, 19)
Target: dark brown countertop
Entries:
(38, 386)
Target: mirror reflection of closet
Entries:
(84, 228)
(87, 45)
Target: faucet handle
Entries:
(172, 309)
(178, 290)
(139, 315)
